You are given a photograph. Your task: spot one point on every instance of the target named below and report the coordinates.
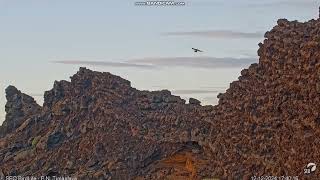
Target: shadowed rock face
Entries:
(19, 107)
(98, 127)
(102, 127)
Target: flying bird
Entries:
(196, 50)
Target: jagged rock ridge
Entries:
(19, 106)
(267, 123)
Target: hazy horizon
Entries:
(44, 40)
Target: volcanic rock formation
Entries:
(19, 107)
(98, 127)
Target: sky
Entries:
(46, 40)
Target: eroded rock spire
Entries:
(18, 107)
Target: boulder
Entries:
(194, 101)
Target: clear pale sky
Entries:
(46, 40)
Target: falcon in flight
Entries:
(196, 50)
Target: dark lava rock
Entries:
(54, 140)
(194, 101)
(19, 107)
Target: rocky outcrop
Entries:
(99, 127)
(267, 122)
(194, 101)
(19, 107)
(102, 127)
